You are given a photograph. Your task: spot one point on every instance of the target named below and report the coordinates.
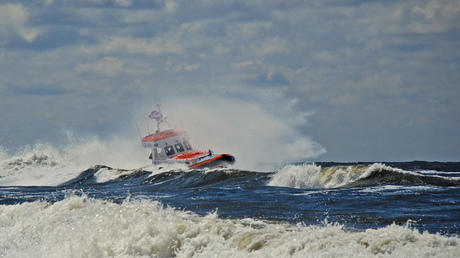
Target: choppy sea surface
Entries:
(51, 206)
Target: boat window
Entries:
(187, 146)
(169, 150)
(159, 154)
(179, 147)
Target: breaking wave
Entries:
(45, 164)
(79, 226)
(310, 176)
(41, 156)
(168, 177)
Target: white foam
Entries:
(38, 165)
(308, 176)
(397, 189)
(444, 173)
(44, 164)
(107, 174)
(298, 176)
(84, 227)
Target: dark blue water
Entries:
(417, 196)
(431, 200)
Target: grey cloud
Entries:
(47, 40)
(269, 79)
(43, 90)
(382, 76)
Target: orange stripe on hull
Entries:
(191, 155)
(222, 158)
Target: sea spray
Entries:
(260, 140)
(47, 164)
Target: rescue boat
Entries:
(171, 146)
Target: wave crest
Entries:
(31, 158)
(311, 176)
(86, 227)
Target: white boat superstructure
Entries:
(171, 146)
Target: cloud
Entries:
(323, 56)
(269, 47)
(170, 5)
(153, 46)
(191, 67)
(374, 72)
(123, 3)
(41, 90)
(221, 50)
(253, 29)
(435, 16)
(271, 78)
(108, 66)
(13, 20)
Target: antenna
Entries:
(138, 132)
(147, 123)
(157, 115)
(157, 102)
(173, 117)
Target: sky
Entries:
(339, 80)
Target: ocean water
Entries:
(80, 201)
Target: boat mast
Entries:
(158, 116)
(159, 120)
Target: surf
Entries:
(313, 176)
(82, 226)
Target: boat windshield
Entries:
(159, 154)
(187, 145)
(179, 147)
(169, 150)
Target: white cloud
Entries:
(152, 46)
(170, 5)
(323, 56)
(123, 3)
(253, 29)
(107, 66)
(221, 50)
(48, 2)
(438, 9)
(247, 63)
(350, 62)
(435, 17)
(270, 46)
(13, 15)
(191, 67)
(137, 17)
(14, 18)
